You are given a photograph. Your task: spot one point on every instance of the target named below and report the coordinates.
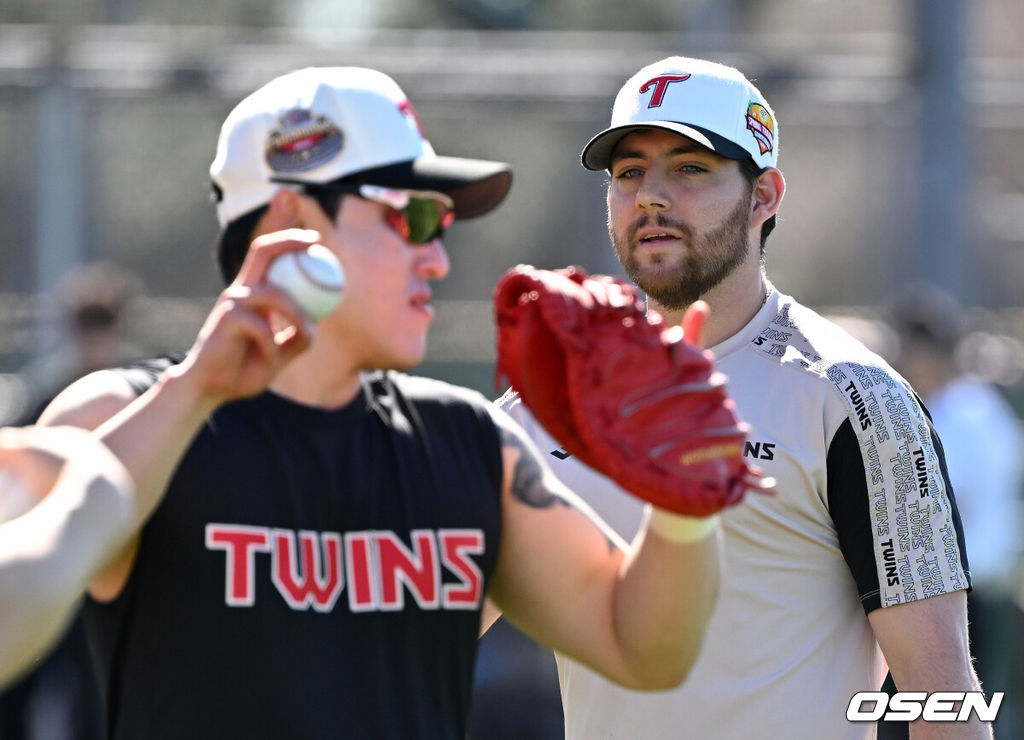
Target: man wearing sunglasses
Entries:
(317, 564)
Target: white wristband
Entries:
(680, 528)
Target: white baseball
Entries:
(313, 278)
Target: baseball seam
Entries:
(300, 264)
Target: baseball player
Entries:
(858, 561)
(325, 538)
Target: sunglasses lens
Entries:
(425, 218)
(417, 216)
(397, 222)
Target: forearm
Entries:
(48, 555)
(973, 729)
(941, 662)
(664, 599)
(950, 677)
(151, 434)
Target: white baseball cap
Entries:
(318, 125)
(711, 103)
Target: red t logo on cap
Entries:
(660, 87)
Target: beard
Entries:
(706, 261)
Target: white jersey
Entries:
(863, 518)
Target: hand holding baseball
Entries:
(238, 352)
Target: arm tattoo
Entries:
(528, 481)
(528, 484)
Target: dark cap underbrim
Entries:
(597, 154)
(476, 186)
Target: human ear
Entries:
(767, 195)
(284, 211)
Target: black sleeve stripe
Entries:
(957, 524)
(848, 502)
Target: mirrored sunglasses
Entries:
(418, 216)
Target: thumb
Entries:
(693, 322)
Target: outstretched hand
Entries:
(635, 400)
(32, 458)
(238, 351)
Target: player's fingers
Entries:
(16, 496)
(291, 342)
(13, 441)
(266, 247)
(16, 453)
(756, 480)
(245, 320)
(52, 443)
(35, 455)
(265, 299)
(275, 348)
(693, 322)
(238, 338)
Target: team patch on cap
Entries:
(302, 141)
(760, 123)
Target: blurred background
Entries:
(901, 138)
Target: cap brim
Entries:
(597, 154)
(476, 186)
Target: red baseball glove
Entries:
(628, 397)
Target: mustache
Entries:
(660, 220)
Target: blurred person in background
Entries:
(984, 446)
(93, 304)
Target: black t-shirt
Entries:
(312, 573)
